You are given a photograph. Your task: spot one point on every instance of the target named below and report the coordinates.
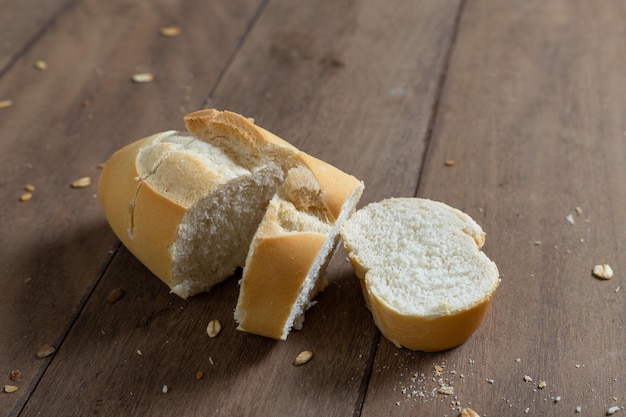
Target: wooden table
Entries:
(527, 97)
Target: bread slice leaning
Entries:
(422, 273)
(292, 247)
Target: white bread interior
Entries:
(194, 206)
(423, 275)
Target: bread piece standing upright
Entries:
(292, 247)
(421, 270)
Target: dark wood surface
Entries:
(528, 98)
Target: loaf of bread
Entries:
(422, 273)
(194, 206)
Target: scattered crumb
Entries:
(45, 351)
(41, 65)
(211, 361)
(115, 295)
(28, 280)
(214, 328)
(491, 381)
(518, 359)
(537, 242)
(468, 412)
(446, 390)
(542, 384)
(603, 271)
(570, 219)
(139, 352)
(527, 410)
(578, 409)
(612, 410)
(527, 378)
(29, 187)
(81, 182)
(170, 31)
(578, 210)
(15, 375)
(26, 196)
(5, 104)
(199, 375)
(142, 78)
(556, 399)
(165, 389)
(303, 357)
(10, 388)
(450, 162)
(100, 165)
(85, 103)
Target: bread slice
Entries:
(194, 206)
(421, 270)
(292, 247)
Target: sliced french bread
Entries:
(422, 273)
(291, 249)
(194, 206)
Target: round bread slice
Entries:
(422, 273)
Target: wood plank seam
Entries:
(59, 343)
(251, 23)
(439, 92)
(33, 40)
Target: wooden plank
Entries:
(21, 22)
(333, 78)
(533, 112)
(64, 122)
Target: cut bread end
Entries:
(422, 273)
(290, 251)
(187, 204)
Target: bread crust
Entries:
(436, 331)
(274, 276)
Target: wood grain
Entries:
(64, 122)
(292, 47)
(533, 113)
(22, 22)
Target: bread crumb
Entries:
(41, 65)
(199, 375)
(303, 357)
(165, 389)
(139, 352)
(170, 31)
(450, 162)
(578, 409)
(603, 271)
(446, 390)
(612, 410)
(15, 375)
(491, 381)
(142, 78)
(115, 295)
(468, 412)
(29, 187)
(214, 328)
(81, 182)
(527, 378)
(578, 210)
(10, 388)
(542, 384)
(45, 351)
(5, 104)
(26, 196)
(570, 219)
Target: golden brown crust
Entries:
(125, 197)
(428, 334)
(273, 278)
